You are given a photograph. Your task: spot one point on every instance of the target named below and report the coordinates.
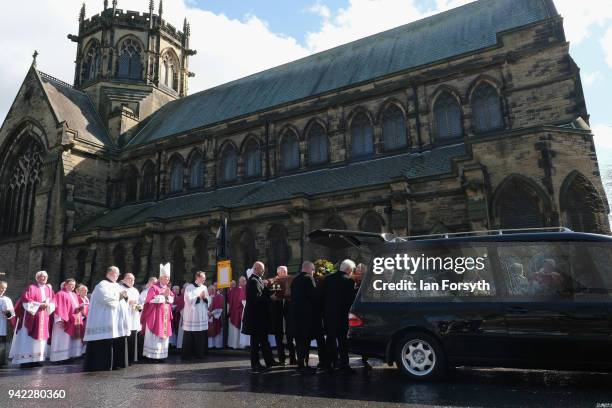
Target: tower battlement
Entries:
(130, 61)
(131, 20)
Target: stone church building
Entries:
(471, 119)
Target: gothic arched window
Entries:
(92, 62)
(371, 222)
(229, 164)
(581, 204)
(119, 258)
(252, 159)
(290, 151)
(177, 249)
(279, 252)
(447, 114)
(243, 251)
(148, 181)
(168, 71)
(81, 265)
(518, 206)
(200, 257)
(130, 179)
(196, 171)
(20, 179)
(336, 255)
(130, 64)
(137, 262)
(176, 175)
(394, 128)
(362, 136)
(486, 108)
(317, 145)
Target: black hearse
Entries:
(511, 298)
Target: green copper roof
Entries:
(455, 32)
(355, 175)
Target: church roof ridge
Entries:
(52, 78)
(75, 108)
(461, 30)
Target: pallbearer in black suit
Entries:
(302, 314)
(338, 292)
(256, 318)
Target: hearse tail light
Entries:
(354, 320)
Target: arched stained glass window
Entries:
(486, 109)
(447, 114)
(317, 145)
(394, 128)
(362, 136)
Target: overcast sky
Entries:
(235, 38)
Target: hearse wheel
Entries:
(420, 357)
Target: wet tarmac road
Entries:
(225, 381)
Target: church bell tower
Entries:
(130, 64)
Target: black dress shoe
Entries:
(306, 370)
(292, 360)
(273, 363)
(326, 369)
(346, 370)
(259, 369)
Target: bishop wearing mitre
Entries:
(156, 318)
(33, 310)
(107, 326)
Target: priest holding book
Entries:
(33, 310)
(195, 318)
(134, 309)
(156, 316)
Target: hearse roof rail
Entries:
(445, 235)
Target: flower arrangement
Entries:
(323, 267)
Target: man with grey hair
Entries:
(107, 326)
(33, 310)
(256, 318)
(338, 295)
(134, 309)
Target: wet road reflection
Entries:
(225, 380)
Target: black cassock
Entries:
(256, 319)
(302, 317)
(338, 292)
(106, 354)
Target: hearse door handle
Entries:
(516, 310)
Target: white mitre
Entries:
(164, 270)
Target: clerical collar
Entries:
(124, 285)
(109, 280)
(196, 284)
